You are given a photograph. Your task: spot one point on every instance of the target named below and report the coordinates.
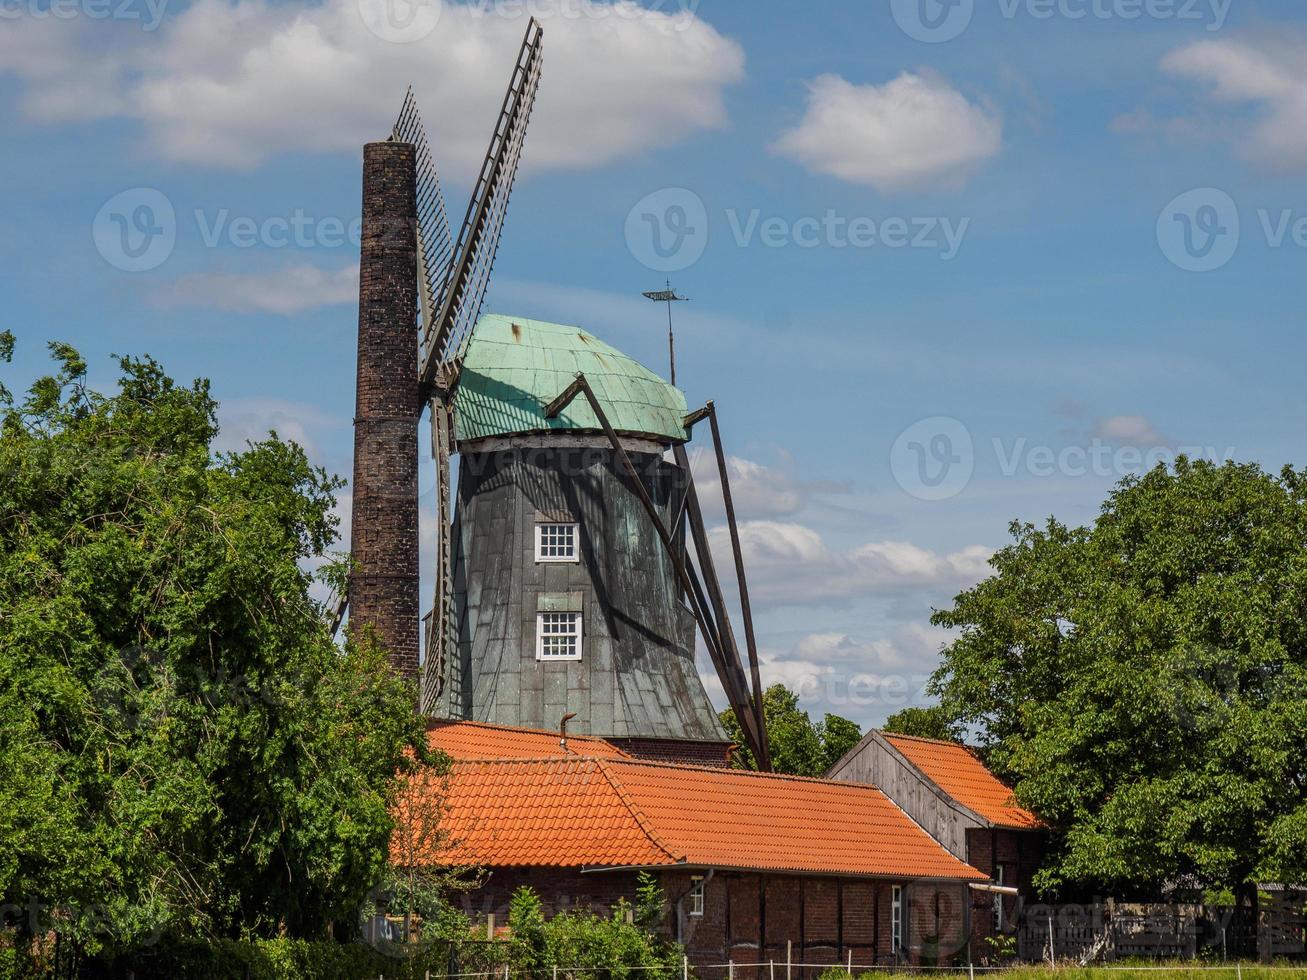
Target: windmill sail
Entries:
(453, 277)
(464, 289)
(435, 249)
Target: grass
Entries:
(1116, 971)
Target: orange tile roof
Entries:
(599, 812)
(959, 772)
(544, 812)
(480, 740)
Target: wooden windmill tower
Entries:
(565, 584)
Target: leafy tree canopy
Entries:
(799, 746)
(182, 745)
(1143, 681)
(931, 722)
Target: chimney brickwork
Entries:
(384, 532)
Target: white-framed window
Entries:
(896, 918)
(998, 900)
(556, 542)
(694, 901)
(558, 636)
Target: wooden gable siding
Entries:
(877, 762)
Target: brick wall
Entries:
(750, 918)
(384, 527)
(1018, 853)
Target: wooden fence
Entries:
(1119, 930)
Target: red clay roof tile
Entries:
(615, 811)
(958, 772)
(480, 740)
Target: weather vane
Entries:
(669, 297)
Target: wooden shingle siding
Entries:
(636, 677)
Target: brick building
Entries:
(752, 865)
(948, 791)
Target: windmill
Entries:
(590, 480)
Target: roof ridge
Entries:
(644, 823)
(529, 760)
(786, 776)
(932, 741)
(434, 724)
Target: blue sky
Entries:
(1081, 227)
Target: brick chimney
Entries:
(383, 590)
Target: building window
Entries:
(998, 900)
(896, 918)
(558, 636)
(695, 898)
(556, 542)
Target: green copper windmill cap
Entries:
(513, 367)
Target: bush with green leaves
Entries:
(586, 944)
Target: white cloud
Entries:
(1129, 430)
(862, 679)
(243, 420)
(914, 131)
(758, 491)
(286, 292)
(1268, 74)
(230, 83)
(790, 564)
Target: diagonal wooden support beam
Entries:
(746, 609)
(728, 667)
(709, 411)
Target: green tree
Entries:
(1143, 681)
(931, 722)
(183, 747)
(799, 746)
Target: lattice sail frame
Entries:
(435, 247)
(452, 279)
(478, 239)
